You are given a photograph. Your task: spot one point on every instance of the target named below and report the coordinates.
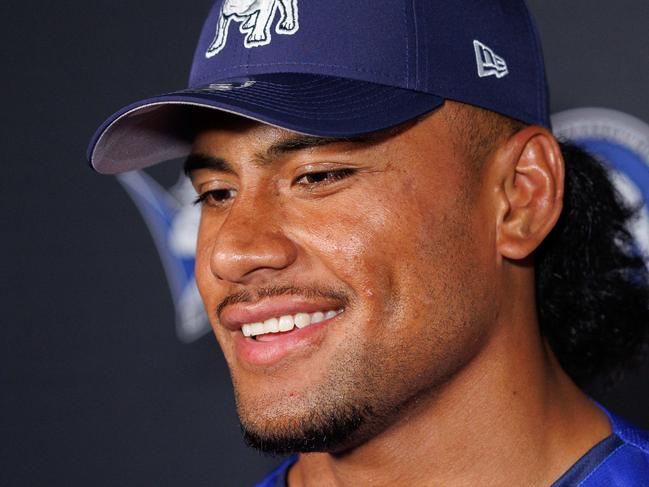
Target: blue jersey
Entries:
(621, 460)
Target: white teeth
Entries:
(287, 322)
(302, 320)
(256, 328)
(271, 325)
(317, 317)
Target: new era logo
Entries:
(489, 64)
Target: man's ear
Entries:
(530, 178)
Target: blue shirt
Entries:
(621, 460)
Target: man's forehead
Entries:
(202, 155)
(217, 130)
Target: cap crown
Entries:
(430, 46)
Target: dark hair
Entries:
(592, 283)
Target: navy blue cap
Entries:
(337, 68)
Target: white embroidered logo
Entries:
(256, 18)
(489, 64)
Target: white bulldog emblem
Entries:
(256, 18)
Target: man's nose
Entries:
(251, 244)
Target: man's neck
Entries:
(511, 417)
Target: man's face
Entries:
(389, 234)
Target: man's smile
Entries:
(267, 329)
(270, 329)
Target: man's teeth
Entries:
(287, 322)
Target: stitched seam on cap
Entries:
(541, 102)
(379, 100)
(405, 23)
(414, 21)
(263, 65)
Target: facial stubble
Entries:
(378, 379)
(361, 396)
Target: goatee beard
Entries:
(333, 432)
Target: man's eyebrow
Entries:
(197, 161)
(292, 143)
(299, 142)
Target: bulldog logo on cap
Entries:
(256, 18)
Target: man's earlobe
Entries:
(531, 190)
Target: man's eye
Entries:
(215, 197)
(324, 177)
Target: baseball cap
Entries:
(338, 68)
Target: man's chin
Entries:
(332, 432)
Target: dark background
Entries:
(96, 388)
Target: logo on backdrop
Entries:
(173, 222)
(489, 63)
(255, 18)
(619, 139)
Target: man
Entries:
(407, 274)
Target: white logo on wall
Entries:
(622, 142)
(173, 222)
(255, 18)
(489, 63)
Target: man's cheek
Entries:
(367, 222)
(211, 294)
(225, 344)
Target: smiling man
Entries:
(408, 275)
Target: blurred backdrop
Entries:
(98, 385)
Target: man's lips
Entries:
(270, 347)
(234, 316)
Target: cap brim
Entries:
(155, 129)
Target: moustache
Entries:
(308, 292)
